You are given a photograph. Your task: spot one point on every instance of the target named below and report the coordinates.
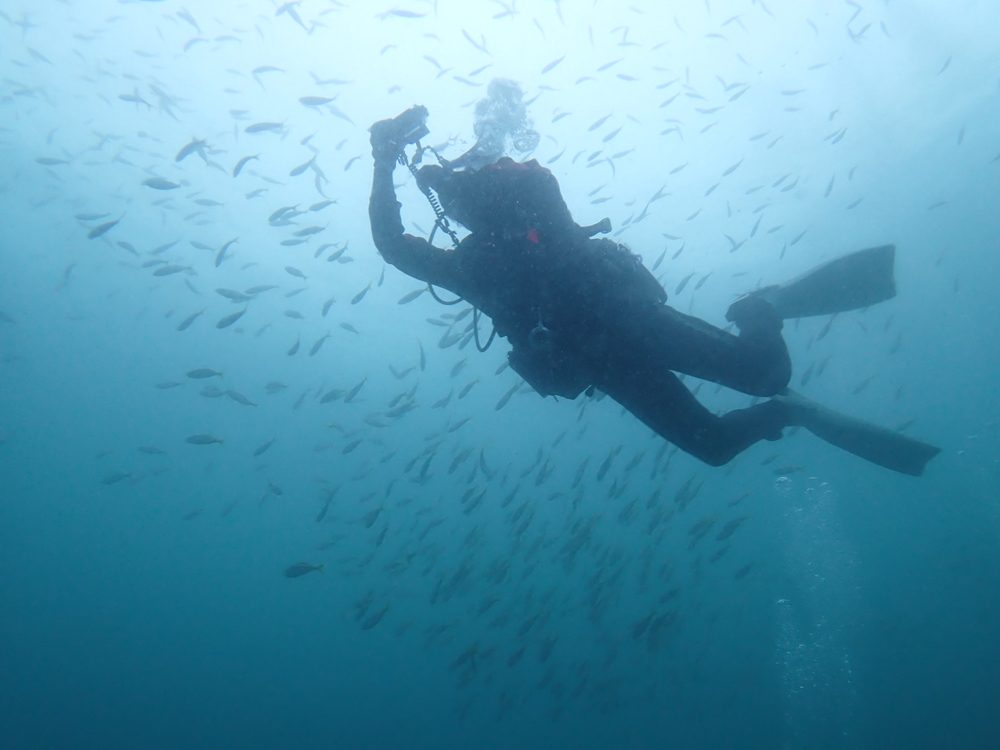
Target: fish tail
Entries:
(320, 567)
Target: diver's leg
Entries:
(657, 397)
(756, 362)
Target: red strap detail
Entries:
(533, 236)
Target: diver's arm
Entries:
(413, 256)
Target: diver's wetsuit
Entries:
(581, 312)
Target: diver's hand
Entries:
(751, 314)
(388, 137)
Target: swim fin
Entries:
(851, 282)
(878, 445)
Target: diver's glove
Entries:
(388, 137)
(752, 314)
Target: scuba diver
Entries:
(583, 313)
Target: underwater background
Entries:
(498, 570)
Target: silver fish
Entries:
(101, 229)
(319, 343)
(240, 398)
(190, 148)
(186, 323)
(230, 319)
(160, 183)
(242, 163)
(264, 127)
(263, 449)
(203, 440)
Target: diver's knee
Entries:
(711, 451)
(771, 381)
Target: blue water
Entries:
(143, 601)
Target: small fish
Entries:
(160, 183)
(263, 448)
(327, 305)
(301, 569)
(186, 323)
(48, 161)
(326, 507)
(863, 384)
(240, 398)
(264, 127)
(361, 295)
(598, 124)
(235, 296)
(190, 148)
(104, 228)
(257, 72)
(203, 373)
(465, 391)
(115, 478)
(230, 319)
(315, 101)
(221, 255)
(301, 168)
(309, 231)
(167, 385)
(151, 450)
(375, 619)
(203, 440)
(321, 205)
(506, 397)
(332, 395)
(683, 283)
(170, 270)
(255, 290)
(319, 343)
(730, 528)
(242, 163)
(407, 298)
(552, 65)
(292, 270)
(294, 350)
(400, 14)
(355, 390)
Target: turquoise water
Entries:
(546, 574)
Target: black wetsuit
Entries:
(582, 312)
